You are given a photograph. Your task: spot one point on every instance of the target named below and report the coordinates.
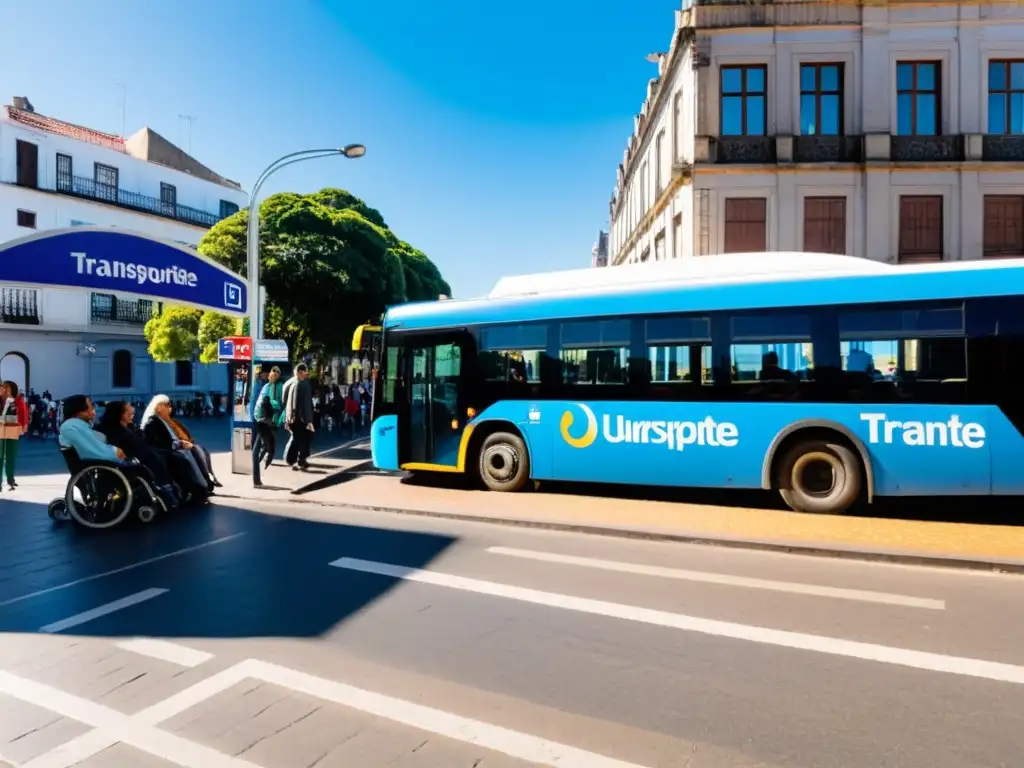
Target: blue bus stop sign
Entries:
(109, 259)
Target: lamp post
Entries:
(350, 151)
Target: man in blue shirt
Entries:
(77, 432)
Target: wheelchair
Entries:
(102, 494)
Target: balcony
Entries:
(108, 309)
(745, 149)
(828, 149)
(1002, 148)
(89, 189)
(20, 306)
(926, 149)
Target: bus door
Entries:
(434, 416)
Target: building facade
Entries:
(889, 130)
(55, 174)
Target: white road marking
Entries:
(103, 610)
(113, 727)
(140, 730)
(160, 649)
(723, 579)
(935, 662)
(139, 564)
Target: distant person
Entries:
(13, 425)
(268, 408)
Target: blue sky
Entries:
(493, 129)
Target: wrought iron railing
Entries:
(20, 306)
(746, 149)
(1002, 147)
(828, 149)
(107, 308)
(924, 149)
(90, 189)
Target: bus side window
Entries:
(678, 350)
(917, 353)
(595, 352)
(771, 353)
(512, 353)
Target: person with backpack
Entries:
(268, 408)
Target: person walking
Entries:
(267, 411)
(298, 416)
(13, 424)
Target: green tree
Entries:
(173, 334)
(213, 327)
(329, 262)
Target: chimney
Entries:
(22, 102)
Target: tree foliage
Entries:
(329, 262)
(173, 334)
(214, 326)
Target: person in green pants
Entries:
(13, 421)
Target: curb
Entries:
(762, 545)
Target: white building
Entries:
(886, 130)
(54, 174)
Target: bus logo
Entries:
(588, 437)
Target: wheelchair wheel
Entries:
(99, 497)
(58, 511)
(146, 514)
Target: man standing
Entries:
(268, 409)
(298, 416)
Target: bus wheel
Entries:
(504, 462)
(820, 477)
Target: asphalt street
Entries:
(298, 636)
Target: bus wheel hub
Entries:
(501, 462)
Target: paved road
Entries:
(300, 636)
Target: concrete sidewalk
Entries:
(351, 482)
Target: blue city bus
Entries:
(827, 378)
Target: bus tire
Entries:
(820, 477)
(504, 462)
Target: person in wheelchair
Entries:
(169, 437)
(117, 425)
(91, 446)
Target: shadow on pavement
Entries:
(984, 510)
(267, 576)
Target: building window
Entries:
(26, 219)
(28, 164)
(746, 225)
(677, 126)
(821, 99)
(659, 246)
(122, 370)
(183, 373)
(677, 236)
(65, 174)
(227, 209)
(168, 199)
(1004, 226)
(744, 100)
(659, 174)
(643, 188)
(918, 102)
(825, 224)
(1006, 97)
(105, 178)
(920, 237)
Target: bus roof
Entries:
(715, 283)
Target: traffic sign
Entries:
(234, 348)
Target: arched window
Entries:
(122, 374)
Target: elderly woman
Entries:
(118, 426)
(165, 433)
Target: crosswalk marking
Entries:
(724, 579)
(102, 610)
(935, 662)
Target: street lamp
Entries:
(350, 151)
